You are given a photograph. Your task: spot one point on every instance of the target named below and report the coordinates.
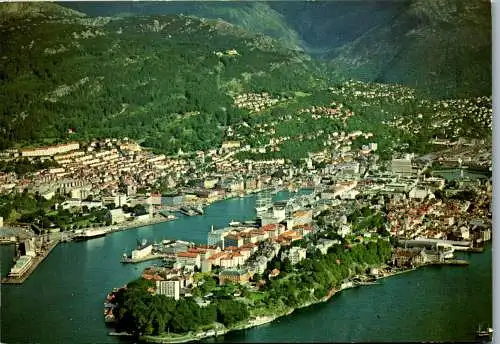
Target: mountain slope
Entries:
(258, 17)
(168, 81)
(442, 47)
(17, 10)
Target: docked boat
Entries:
(263, 203)
(187, 211)
(198, 209)
(21, 266)
(90, 234)
(234, 223)
(485, 334)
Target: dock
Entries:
(451, 262)
(145, 259)
(36, 261)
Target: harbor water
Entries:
(62, 301)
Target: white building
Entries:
(296, 254)
(117, 215)
(50, 150)
(118, 200)
(188, 259)
(142, 251)
(418, 193)
(168, 288)
(344, 230)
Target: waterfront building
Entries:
(409, 256)
(118, 200)
(172, 200)
(169, 288)
(216, 237)
(142, 251)
(117, 215)
(145, 217)
(155, 199)
(21, 266)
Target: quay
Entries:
(36, 261)
(127, 260)
(451, 262)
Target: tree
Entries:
(230, 312)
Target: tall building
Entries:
(169, 288)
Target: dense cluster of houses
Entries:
(255, 102)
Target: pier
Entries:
(36, 261)
(153, 256)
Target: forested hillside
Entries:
(175, 82)
(440, 47)
(166, 80)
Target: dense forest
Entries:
(156, 79)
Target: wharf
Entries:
(452, 262)
(36, 261)
(145, 259)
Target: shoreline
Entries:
(257, 321)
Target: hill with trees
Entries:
(172, 82)
(440, 47)
(163, 79)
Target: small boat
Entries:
(234, 223)
(487, 333)
(198, 209)
(187, 211)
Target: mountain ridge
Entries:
(17, 10)
(447, 43)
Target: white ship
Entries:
(234, 223)
(263, 203)
(91, 234)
